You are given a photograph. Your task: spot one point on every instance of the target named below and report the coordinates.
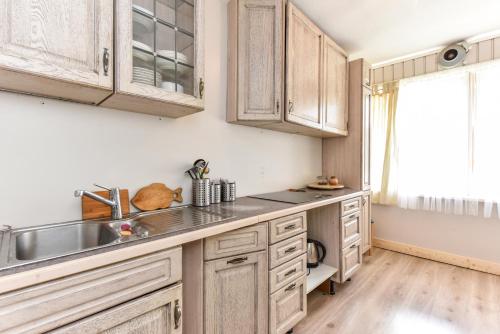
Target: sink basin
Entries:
(40, 243)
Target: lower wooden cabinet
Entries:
(351, 260)
(157, 313)
(236, 294)
(287, 306)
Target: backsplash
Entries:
(49, 148)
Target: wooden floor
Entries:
(396, 293)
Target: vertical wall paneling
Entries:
(485, 50)
(408, 68)
(388, 73)
(431, 63)
(378, 75)
(398, 71)
(420, 66)
(496, 47)
(472, 55)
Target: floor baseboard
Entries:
(439, 256)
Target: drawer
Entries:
(286, 227)
(244, 240)
(287, 273)
(287, 306)
(350, 206)
(351, 260)
(160, 309)
(350, 229)
(56, 303)
(287, 250)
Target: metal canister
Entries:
(201, 192)
(228, 191)
(215, 193)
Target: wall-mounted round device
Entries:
(453, 55)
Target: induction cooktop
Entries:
(292, 197)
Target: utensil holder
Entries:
(201, 192)
(228, 191)
(215, 193)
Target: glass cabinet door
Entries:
(163, 45)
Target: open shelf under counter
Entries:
(319, 275)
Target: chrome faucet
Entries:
(113, 201)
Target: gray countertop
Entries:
(241, 209)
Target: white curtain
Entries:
(445, 156)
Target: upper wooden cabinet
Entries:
(57, 48)
(255, 89)
(159, 52)
(335, 88)
(315, 67)
(303, 69)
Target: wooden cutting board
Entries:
(92, 209)
(156, 196)
(324, 186)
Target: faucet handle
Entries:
(102, 187)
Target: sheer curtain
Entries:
(441, 142)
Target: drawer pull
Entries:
(291, 287)
(290, 250)
(290, 272)
(353, 246)
(352, 206)
(177, 314)
(352, 216)
(290, 227)
(237, 260)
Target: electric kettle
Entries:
(313, 257)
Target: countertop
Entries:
(245, 211)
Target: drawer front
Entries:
(50, 305)
(157, 312)
(245, 240)
(350, 229)
(286, 227)
(351, 260)
(287, 250)
(287, 273)
(287, 306)
(350, 206)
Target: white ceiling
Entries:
(379, 30)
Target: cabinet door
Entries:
(236, 294)
(157, 313)
(366, 233)
(260, 59)
(335, 88)
(159, 57)
(365, 163)
(304, 66)
(49, 47)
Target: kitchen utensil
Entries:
(156, 196)
(92, 209)
(228, 191)
(142, 46)
(215, 193)
(201, 192)
(324, 186)
(313, 257)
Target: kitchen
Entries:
(160, 279)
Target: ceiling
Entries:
(380, 30)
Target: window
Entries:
(444, 152)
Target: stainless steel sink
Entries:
(63, 239)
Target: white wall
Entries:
(49, 148)
(463, 235)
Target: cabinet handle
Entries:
(105, 61)
(177, 314)
(290, 227)
(293, 271)
(201, 88)
(290, 250)
(277, 107)
(237, 260)
(291, 287)
(290, 106)
(353, 246)
(352, 216)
